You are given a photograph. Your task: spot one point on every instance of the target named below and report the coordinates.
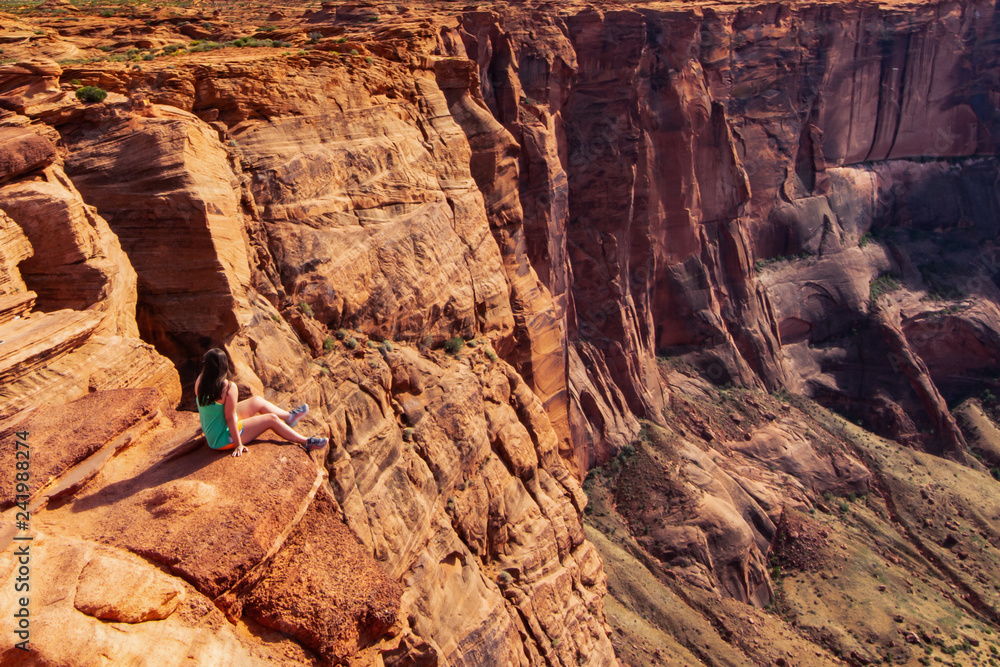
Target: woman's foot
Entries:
(295, 415)
(314, 444)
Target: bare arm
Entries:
(229, 411)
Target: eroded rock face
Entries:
(77, 262)
(162, 180)
(690, 151)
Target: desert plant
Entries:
(369, 60)
(491, 355)
(351, 343)
(91, 94)
(408, 434)
(315, 37)
(453, 345)
(354, 52)
(327, 344)
(306, 308)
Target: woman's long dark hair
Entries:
(215, 370)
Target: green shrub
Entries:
(491, 355)
(327, 344)
(354, 52)
(108, 13)
(90, 94)
(372, 344)
(341, 334)
(342, 40)
(315, 37)
(408, 434)
(386, 346)
(454, 345)
(351, 343)
(884, 284)
(369, 60)
(306, 308)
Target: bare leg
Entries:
(254, 426)
(257, 405)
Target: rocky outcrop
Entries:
(77, 261)
(162, 180)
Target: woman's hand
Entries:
(240, 449)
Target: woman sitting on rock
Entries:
(229, 424)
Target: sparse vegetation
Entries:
(327, 344)
(306, 308)
(408, 434)
(454, 345)
(351, 343)
(315, 37)
(762, 264)
(91, 94)
(882, 285)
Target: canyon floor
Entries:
(643, 333)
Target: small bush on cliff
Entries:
(351, 343)
(306, 308)
(315, 37)
(491, 355)
(408, 434)
(884, 284)
(454, 345)
(327, 344)
(90, 94)
(354, 52)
